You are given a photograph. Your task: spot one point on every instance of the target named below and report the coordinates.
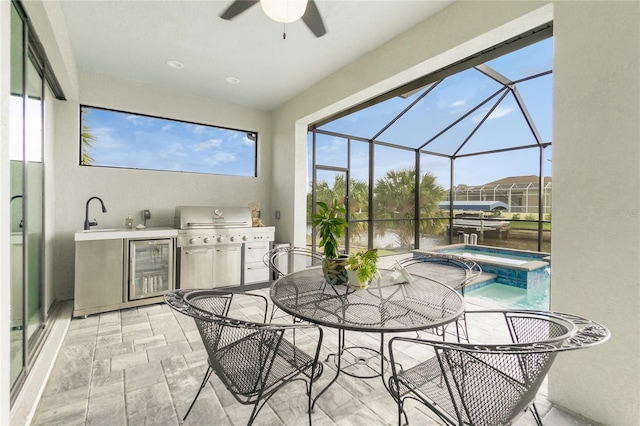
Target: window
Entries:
(121, 139)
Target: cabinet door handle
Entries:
(196, 251)
(229, 249)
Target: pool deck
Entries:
(530, 265)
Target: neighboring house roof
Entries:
(518, 180)
(484, 206)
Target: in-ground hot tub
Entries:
(518, 268)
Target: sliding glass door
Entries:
(27, 201)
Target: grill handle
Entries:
(217, 225)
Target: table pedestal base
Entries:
(360, 362)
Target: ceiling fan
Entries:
(282, 11)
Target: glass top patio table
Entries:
(384, 307)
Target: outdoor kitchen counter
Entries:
(115, 234)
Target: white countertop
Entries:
(115, 234)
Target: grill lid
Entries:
(203, 217)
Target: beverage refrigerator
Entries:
(150, 267)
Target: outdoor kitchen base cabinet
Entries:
(122, 269)
(98, 282)
(255, 271)
(210, 267)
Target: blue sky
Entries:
(141, 142)
(450, 100)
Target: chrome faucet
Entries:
(87, 224)
(13, 198)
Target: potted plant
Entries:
(331, 223)
(362, 266)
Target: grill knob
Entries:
(206, 240)
(232, 239)
(220, 239)
(192, 240)
(245, 238)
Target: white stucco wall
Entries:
(595, 267)
(596, 203)
(131, 191)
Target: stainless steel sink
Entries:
(106, 230)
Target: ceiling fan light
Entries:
(284, 11)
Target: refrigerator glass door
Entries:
(150, 268)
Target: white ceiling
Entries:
(135, 39)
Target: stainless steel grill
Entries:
(217, 246)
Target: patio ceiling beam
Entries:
(494, 75)
(526, 115)
(495, 151)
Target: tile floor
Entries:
(142, 366)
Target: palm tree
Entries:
(394, 198)
(358, 209)
(87, 140)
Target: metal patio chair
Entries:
(454, 271)
(284, 260)
(252, 359)
(488, 383)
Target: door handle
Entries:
(196, 251)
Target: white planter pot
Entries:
(354, 282)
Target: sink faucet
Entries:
(13, 198)
(87, 224)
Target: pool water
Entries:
(512, 297)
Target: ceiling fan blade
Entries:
(237, 7)
(313, 19)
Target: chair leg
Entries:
(536, 415)
(464, 328)
(401, 413)
(207, 375)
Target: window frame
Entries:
(250, 133)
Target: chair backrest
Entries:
(286, 260)
(492, 387)
(240, 352)
(453, 271)
(492, 383)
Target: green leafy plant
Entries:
(365, 263)
(331, 223)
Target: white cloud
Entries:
(497, 113)
(458, 104)
(222, 157)
(207, 145)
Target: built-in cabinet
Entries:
(255, 270)
(122, 269)
(98, 282)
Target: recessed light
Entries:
(232, 80)
(175, 64)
